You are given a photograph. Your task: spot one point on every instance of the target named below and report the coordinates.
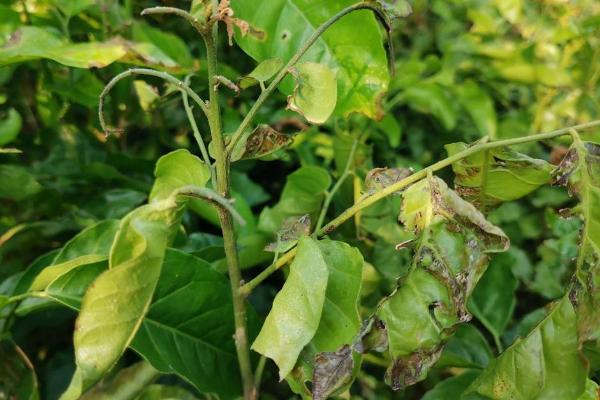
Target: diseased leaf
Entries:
(292, 229)
(380, 178)
(302, 194)
(498, 175)
(262, 142)
(430, 302)
(297, 308)
(544, 365)
(17, 377)
(264, 71)
(333, 371)
(315, 93)
(356, 56)
(580, 172)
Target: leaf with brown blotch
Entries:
(293, 228)
(380, 178)
(263, 141)
(332, 372)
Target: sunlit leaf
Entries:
(544, 365)
(356, 56)
(430, 302)
(497, 176)
(147, 94)
(264, 71)
(315, 93)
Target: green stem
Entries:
(195, 22)
(375, 197)
(149, 72)
(229, 241)
(337, 185)
(198, 136)
(242, 132)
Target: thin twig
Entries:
(212, 197)
(337, 186)
(375, 197)
(195, 22)
(149, 72)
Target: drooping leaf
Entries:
(332, 372)
(116, 302)
(544, 365)
(580, 171)
(315, 93)
(10, 127)
(356, 56)
(499, 175)
(17, 377)
(430, 302)
(263, 141)
(264, 71)
(196, 341)
(294, 318)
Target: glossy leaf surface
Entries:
(356, 56)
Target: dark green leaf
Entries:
(451, 388)
(17, 183)
(467, 348)
(10, 127)
(17, 377)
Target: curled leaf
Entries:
(315, 94)
(225, 14)
(261, 74)
(262, 142)
(292, 229)
(333, 371)
(430, 302)
(498, 175)
(380, 178)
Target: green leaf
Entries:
(264, 71)
(498, 175)
(430, 302)
(195, 341)
(17, 377)
(177, 169)
(17, 183)
(480, 107)
(172, 46)
(294, 318)
(72, 7)
(302, 194)
(580, 171)
(147, 94)
(10, 127)
(127, 384)
(493, 300)
(451, 388)
(164, 392)
(356, 56)
(315, 93)
(591, 391)
(30, 43)
(431, 98)
(117, 301)
(467, 348)
(544, 365)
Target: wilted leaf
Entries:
(430, 302)
(264, 71)
(544, 365)
(333, 371)
(580, 171)
(356, 56)
(315, 93)
(499, 175)
(380, 178)
(17, 377)
(292, 229)
(262, 142)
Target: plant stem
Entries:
(223, 187)
(337, 186)
(195, 22)
(149, 72)
(242, 132)
(375, 197)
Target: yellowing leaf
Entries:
(315, 93)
